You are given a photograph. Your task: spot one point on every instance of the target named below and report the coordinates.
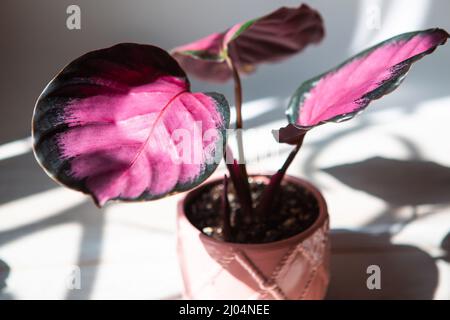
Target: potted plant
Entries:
(122, 123)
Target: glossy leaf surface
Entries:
(343, 92)
(121, 123)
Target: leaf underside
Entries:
(273, 37)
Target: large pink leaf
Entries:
(275, 36)
(121, 123)
(343, 92)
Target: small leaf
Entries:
(343, 92)
(273, 37)
(121, 123)
(289, 134)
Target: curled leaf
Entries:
(343, 92)
(289, 134)
(121, 123)
(273, 37)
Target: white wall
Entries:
(36, 43)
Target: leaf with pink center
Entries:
(343, 92)
(270, 38)
(121, 123)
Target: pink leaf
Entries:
(273, 37)
(343, 92)
(121, 123)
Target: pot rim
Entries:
(319, 222)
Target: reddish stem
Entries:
(242, 178)
(241, 187)
(225, 208)
(270, 194)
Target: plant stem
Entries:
(291, 156)
(245, 196)
(238, 106)
(240, 184)
(226, 229)
(270, 194)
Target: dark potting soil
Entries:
(296, 209)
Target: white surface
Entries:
(128, 251)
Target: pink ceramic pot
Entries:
(293, 268)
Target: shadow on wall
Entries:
(406, 272)
(90, 246)
(4, 273)
(21, 176)
(398, 182)
(445, 246)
